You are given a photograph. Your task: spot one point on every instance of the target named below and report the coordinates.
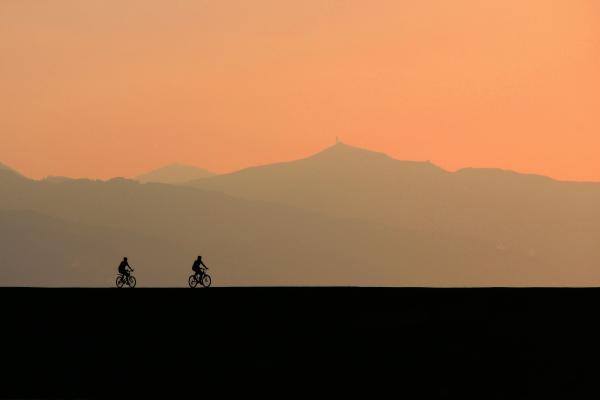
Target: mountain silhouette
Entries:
(551, 223)
(80, 224)
(5, 169)
(340, 180)
(36, 249)
(343, 181)
(56, 179)
(174, 174)
(344, 216)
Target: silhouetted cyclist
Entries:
(196, 266)
(123, 268)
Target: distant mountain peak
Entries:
(174, 174)
(344, 154)
(6, 168)
(340, 149)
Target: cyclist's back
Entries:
(196, 266)
(123, 267)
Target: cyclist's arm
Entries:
(203, 265)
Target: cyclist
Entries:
(123, 269)
(196, 265)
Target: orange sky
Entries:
(103, 88)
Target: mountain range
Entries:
(344, 216)
(174, 174)
(554, 225)
(6, 168)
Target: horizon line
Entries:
(336, 144)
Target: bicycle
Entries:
(199, 278)
(130, 281)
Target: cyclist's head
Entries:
(199, 257)
(124, 258)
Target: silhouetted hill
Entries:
(344, 216)
(553, 224)
(174, 174)
(56, 179)
(39, 250)
(5, 169)
(337, 180)
(341, 180)
(244, 242)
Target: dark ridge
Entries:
(174, 174)
(444, 343)
(6, 170)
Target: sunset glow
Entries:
(115, 88)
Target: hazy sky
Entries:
(100, 88)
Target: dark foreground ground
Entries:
(493, 343)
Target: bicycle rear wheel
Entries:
(192, 281)
(120, 282)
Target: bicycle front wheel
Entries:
(131, 282)
(206, 280)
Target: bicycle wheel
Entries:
(206, 280)
(120, 281)
(193, 282)
(131, 282)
